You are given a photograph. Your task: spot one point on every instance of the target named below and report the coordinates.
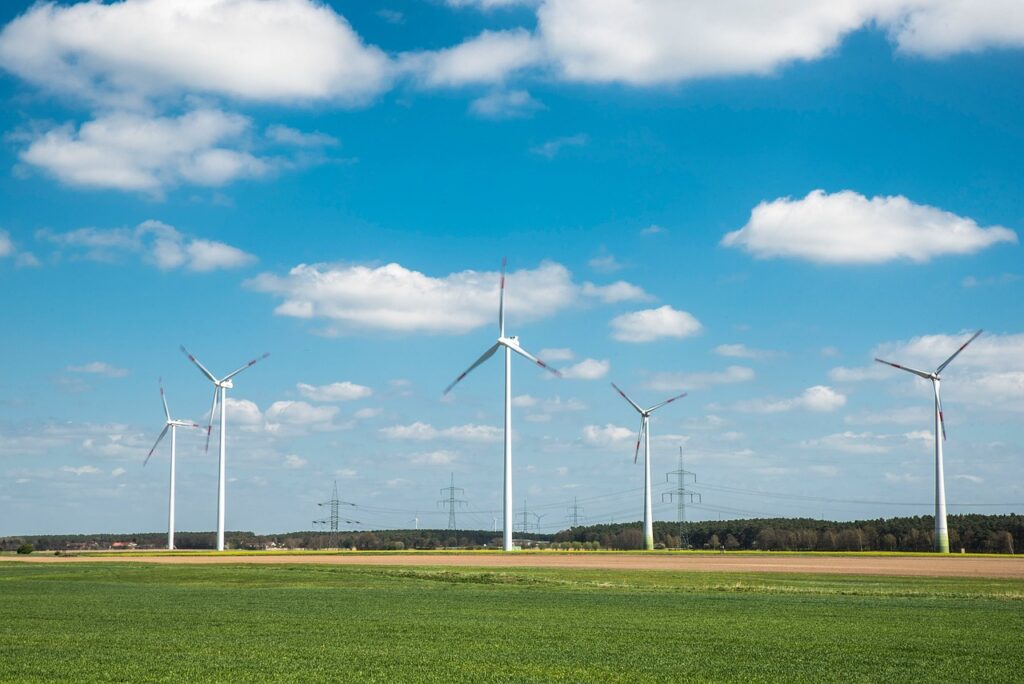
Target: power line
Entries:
(574, 516)
(680, 495)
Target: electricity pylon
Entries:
(681, 495)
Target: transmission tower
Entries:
(681, 495)
(452, 502)
(574, 516)
(332, 520)
(526, 519)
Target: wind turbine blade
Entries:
(213, 411)
(962, 347)
(162, 433)
(483, 357)
(501, 300)
(200, 366)
(926, 376)
(639, 438)
(631, 402)
(667, 401)
(942, 417)
(525, 354)
(163, 397)
(248, 365)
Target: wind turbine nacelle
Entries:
(226, 384)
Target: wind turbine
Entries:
(172, 426)
(645, 436)
(510, 344)
(941, 532)
(220, 394)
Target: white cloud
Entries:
(160, 245)
(587, 369)
(6, 246)
(100, 368)
(439, 457)
(1001, 279)
(336, 391)
(619, 291)
(366, 413)
(824, 470)
(654, 324)
(299, 413)
(285, 135)
(974, 479)
(345, 473)
(242, 412)
(489, 4)
(605, 264)
(844, 374)
(909, 415)
(125, 53)
(741, 351)
(294, 462)
(396, 299)
(819, 398)
(938, 28)
(653, 230)
(901, 478)
(490, 57)
(81, 470)
(606, 435)
(423, 432)
(557, 354)
(126, 151)
(848, 228)
(551, 148)
(673, 382)
(505, 104)
(852, 443)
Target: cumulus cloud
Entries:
(423, 432)
(619, 291)
(285, 135)
(487, 58)
(81, 470)
(396, 299)
(301, 414)
(256, 50)
(741, 351)
(557, 354)
(606, 435)
(505, 104)
(6, 246)
(819, 398)
(439, 457)
(294, 462)
(100, 368)
(672, 382)
(128, 151)
(587, 369)
(852, 443)
(654, 324)
(159, 244)
(336, 391)
(848, 228)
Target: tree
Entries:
(713, 542)
(731, 543)
(25, 549)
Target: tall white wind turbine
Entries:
(220, 395)
(171, 425)
(645, 436)
(510, 344)
(941, 531)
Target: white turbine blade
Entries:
(667, 401)
(926, 376)
(501, 300)
(525, 354)
(248, 365)
(162, 433)
(163, 397)
(483, 357)
(631, 402)
(200, 366)
(942, 417)
(213, 412)
(962, 347)
(639, 438)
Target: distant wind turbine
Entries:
(220, 395)
(172, 426)
(645, 436)
(510, 344)
(941, 531)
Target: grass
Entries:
(140, 622)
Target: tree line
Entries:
(973, 533)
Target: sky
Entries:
(740, 201)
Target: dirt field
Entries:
(911, 566)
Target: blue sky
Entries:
(750, 221)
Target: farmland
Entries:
(137, 622)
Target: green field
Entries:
(138, 622)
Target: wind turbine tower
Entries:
(220, 395)
(941, 531)
(172, 426)
(509, 344)
(645, 436)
